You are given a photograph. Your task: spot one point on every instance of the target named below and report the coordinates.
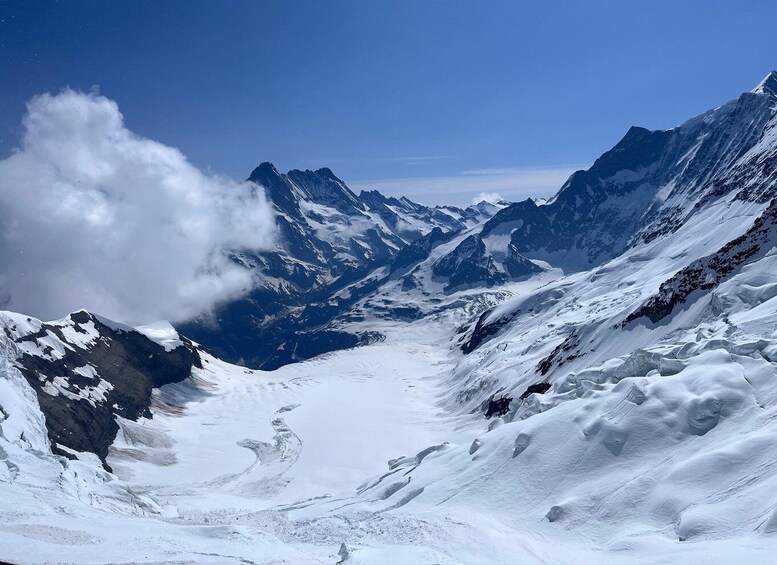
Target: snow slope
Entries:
(654, 437)
(364, 447)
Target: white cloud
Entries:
(514, 184)
(490, 197)
(93, 216)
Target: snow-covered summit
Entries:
(649, 184)
(768, 85)
(329, 237)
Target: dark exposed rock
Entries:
(305, 345)
(469, 264)
(583, 215)
(537, 388)
(300, 279)
(234, 331)
(110, 371)
(396, 211)
(277, 189)
(419, 250)
(484, 330)
(517, 265)
(323, 187)
(648, 185)
(708, 272)
(498, 407)
(409, 282)
(768, 85)
(564, 351)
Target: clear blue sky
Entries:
(518, 92)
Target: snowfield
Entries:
(653, 443)
(659, 455)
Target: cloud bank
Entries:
(93, 216)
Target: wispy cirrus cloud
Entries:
(412, 160)
(420, 160)
(517, 183)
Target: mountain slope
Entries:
(648, 185)
(328, 238)
(88, 372)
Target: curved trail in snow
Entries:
(265, 476)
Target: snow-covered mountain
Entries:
(590, 379)
(328, 238)
(646, 186)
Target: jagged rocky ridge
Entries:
(470, 264)
(329, 238)
(335, 245)
(646, 186)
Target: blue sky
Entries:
(438, 100)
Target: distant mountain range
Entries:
(331, 239)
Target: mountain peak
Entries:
(263, 170)
(326, 172)
(768, 85)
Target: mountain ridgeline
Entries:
(328, 239)
(336, 248)
(649, 184)
(343, 261)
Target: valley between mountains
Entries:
(589, 379)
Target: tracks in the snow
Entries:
(265, 477)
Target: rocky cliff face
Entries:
(709, 272)
(88, 371)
